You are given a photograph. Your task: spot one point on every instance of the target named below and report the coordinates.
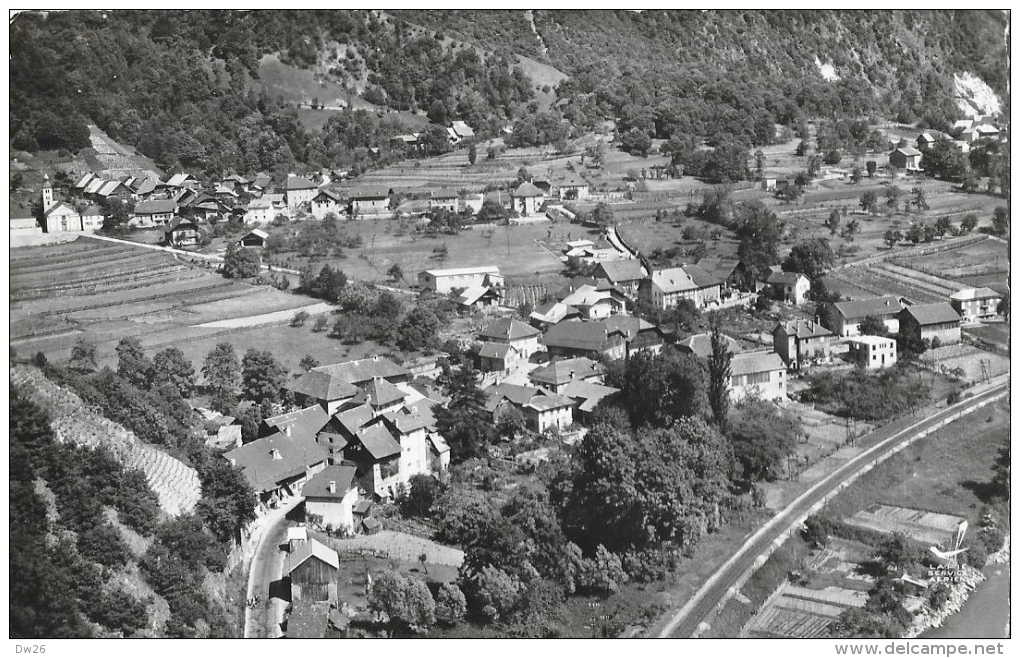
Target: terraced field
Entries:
(109, 291)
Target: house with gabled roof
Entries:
(907, 158)
(549, 411)
(555, 376)
(443, 198)
(259, 211)
(331, 494)
(462, 130)
(380, 395)
(573, 188)
(322, 388)
(278, 465)
(306, 422)
(499, 357)
(872, 352)
(594, 304)
(587, 396)
(254, 238)
(313, 569)
(526, 199)
(511, 331)
(638, 334)
(798, 342)
(625, 274)
(361, 371)
(700, 345)
(369, 202)
(849, 315)
(181, 180)
(478, 297)
(551, 312)
(757, 373)
(666, 288)
(445, 281)
(928, 322)
(326, 202)
(181, 232)
(159, 212)
(298, 190)
(974, 304)
(791, 287)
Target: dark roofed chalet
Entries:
(862, 308)
(299, 183)
(300, 424)
(377, 443)
(379, 393)
(364, 370)
(938, 313)
(508, 330)
(527, 190)
(342, 477)
(563, 371)
(277, 461)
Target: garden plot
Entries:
(976, 364)
(926, 527)
(800, 612)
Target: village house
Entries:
(408, 141)
(612, 338)
(181, 180)
(976, 304)
(514, 333)
(443, 199)
(277, 466)
(849, 315)
(587, 396)
(299, 191)
(638, 335)
(471, 203)
(801, 341)
(381, 395)
(625, 274)
(154, 213)
(526, 199)
(552, 312)
(906, 158)
(370, 203)
(791, 287)
(757, 373)
(930, 322)
(501, 398)
(324, 203)
(182, 233)
(316, 620)
(556, 375)
(254, 238)
(499, 357)
(312, 569)
(331, 494)
(144, 189)
(377, 455)
(872, 352)
(445, 281)
(321, 388)
(362, 371)
(462, 130)
(549, 411)
(664, 289)
(593, 304)
(260, 212)
(700, 345)
(925, 141)
(302, 423)
(573, 189)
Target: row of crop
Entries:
(84, 267)
(890, 285)
(170, 290)
(54, 252)
(935, 284)
(70, 261)
(113, 282)
(100, 272)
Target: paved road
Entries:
(686, 621)
(266, 567)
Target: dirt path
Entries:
(276, 317)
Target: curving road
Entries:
(686, 622)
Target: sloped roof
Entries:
(587, 296)
(577, 334)
(926, 137)
(177, 180)
(181, 223)
(329, 194)
(379, 393)
(862, 308)
(459, 271)
(145, 186)
(308, 549)
(442, 193)
(617, 271)
(262, 181)
(968, 294)
(409, 419)
(495, 350)
(83, 182)
(553, 312)
(109, 187)
(588, 393)
(363, 370)
(299, 183)
(549, 401)
(155, 206)
(721, 268)
(259, 233)
(746, 363)
(308, 619)
(473, 294)
(701, 345)
(937, 313)
(674, 279)
(508, 329)
(462, 129)
(700, 277)
(908, 151)
(628, 325)
(785, 278)
(803, 329)
(57, 206)
(264, 471)
(378, 441)
(322, 386)
(355, 418)
(340, 474)
(527, 190)
(519, 395)
(370, 193)
(302, 423)
(565, 370)
(94, 185)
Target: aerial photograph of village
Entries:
(341, 324)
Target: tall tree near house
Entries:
(892, 237)
(132, 364)
(832, 223)
(228, 501)
(719, 377)
(472, 154)
(759, 164)
(222, 373)
(240, 262)
(892, 197)
(872, 167)
(810, 257)
(763, 435)
(171, 367)
(1000, 220)
(968, 223)
(760, 232)
(262, 377)
(920, 201)
(395, 272)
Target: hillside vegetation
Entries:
(183, 87)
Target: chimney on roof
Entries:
(332, 486)
(275, 454)
(286, 430)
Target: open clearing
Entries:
(107, 292)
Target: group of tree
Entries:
(868, 396)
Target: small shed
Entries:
(311, 567)
(255, 238)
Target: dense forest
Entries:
(183, 86)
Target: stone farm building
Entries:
(299, 191)
(848, 316)
(625, 274)
(664, 289)
(791, 287)
(154, 213)
(927, 322)
(370, 203)
(526, 199)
